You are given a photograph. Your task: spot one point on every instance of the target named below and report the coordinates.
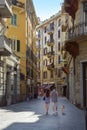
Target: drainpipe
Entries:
(73, 70)
(74, 81)
(68, 94)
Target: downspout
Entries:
(74, 100)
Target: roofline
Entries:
(50, 19)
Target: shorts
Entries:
(47, 100)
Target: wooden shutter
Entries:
(18, 45)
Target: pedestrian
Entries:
(54, 99)
(47, 100)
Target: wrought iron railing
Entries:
(77, 31)
(9, 2)
(17, 3)
(6, 39)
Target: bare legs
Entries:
(55, 108)
(47, 108)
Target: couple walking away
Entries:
(53, 96)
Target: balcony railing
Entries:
(50, 30)
(5, 49)
(78, 31)
(50, 53)
(50, 66)
(50, 42)
(5, 8)
(38, 37)
(18, 4)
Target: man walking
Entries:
(54, 98)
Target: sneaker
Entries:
(46, 113)
(56, 113)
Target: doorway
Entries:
(85, 84)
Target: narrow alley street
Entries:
(30, 115)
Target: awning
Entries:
(49, 85)
(44, 85)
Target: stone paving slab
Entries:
(30, 115)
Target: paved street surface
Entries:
(30, 115)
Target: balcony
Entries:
(50, 42)
(38, 37)
(50, 54)
(50, 30)
(5, 49)
(65, 70)
(5, 8)
(63, 52)
(18, 4)
(83, 0)
(50, 66)
(78, 32)
(38, 47)
(64, 28)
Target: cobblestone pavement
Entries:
(30, 115)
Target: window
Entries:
(52, 26)
(59, 46)
(15, 45)
(86, 18)
(45, 74)
(59, 73)
(59, 22)
(45, 62)
(39, 34)
(45, 29)
(51, 37)
(85, 6)
(85, 10)
(45, 51)
(51, 74)
(14, 19)
(50, 60)
(39, 54)
(58, 33)
(39, 43)
(59, 59)
(18, 45)
(38, 75)
(52, 49)
(45, 40)
(32, 73)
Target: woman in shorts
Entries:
(47, 100)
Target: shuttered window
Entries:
(14, 19)
(18, 45)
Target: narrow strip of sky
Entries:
(46, 8)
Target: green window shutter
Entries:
(14, 19)
(18, 45)
(85, 6)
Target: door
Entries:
(85, 84)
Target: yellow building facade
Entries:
(21, 29)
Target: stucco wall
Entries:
(82, 57)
